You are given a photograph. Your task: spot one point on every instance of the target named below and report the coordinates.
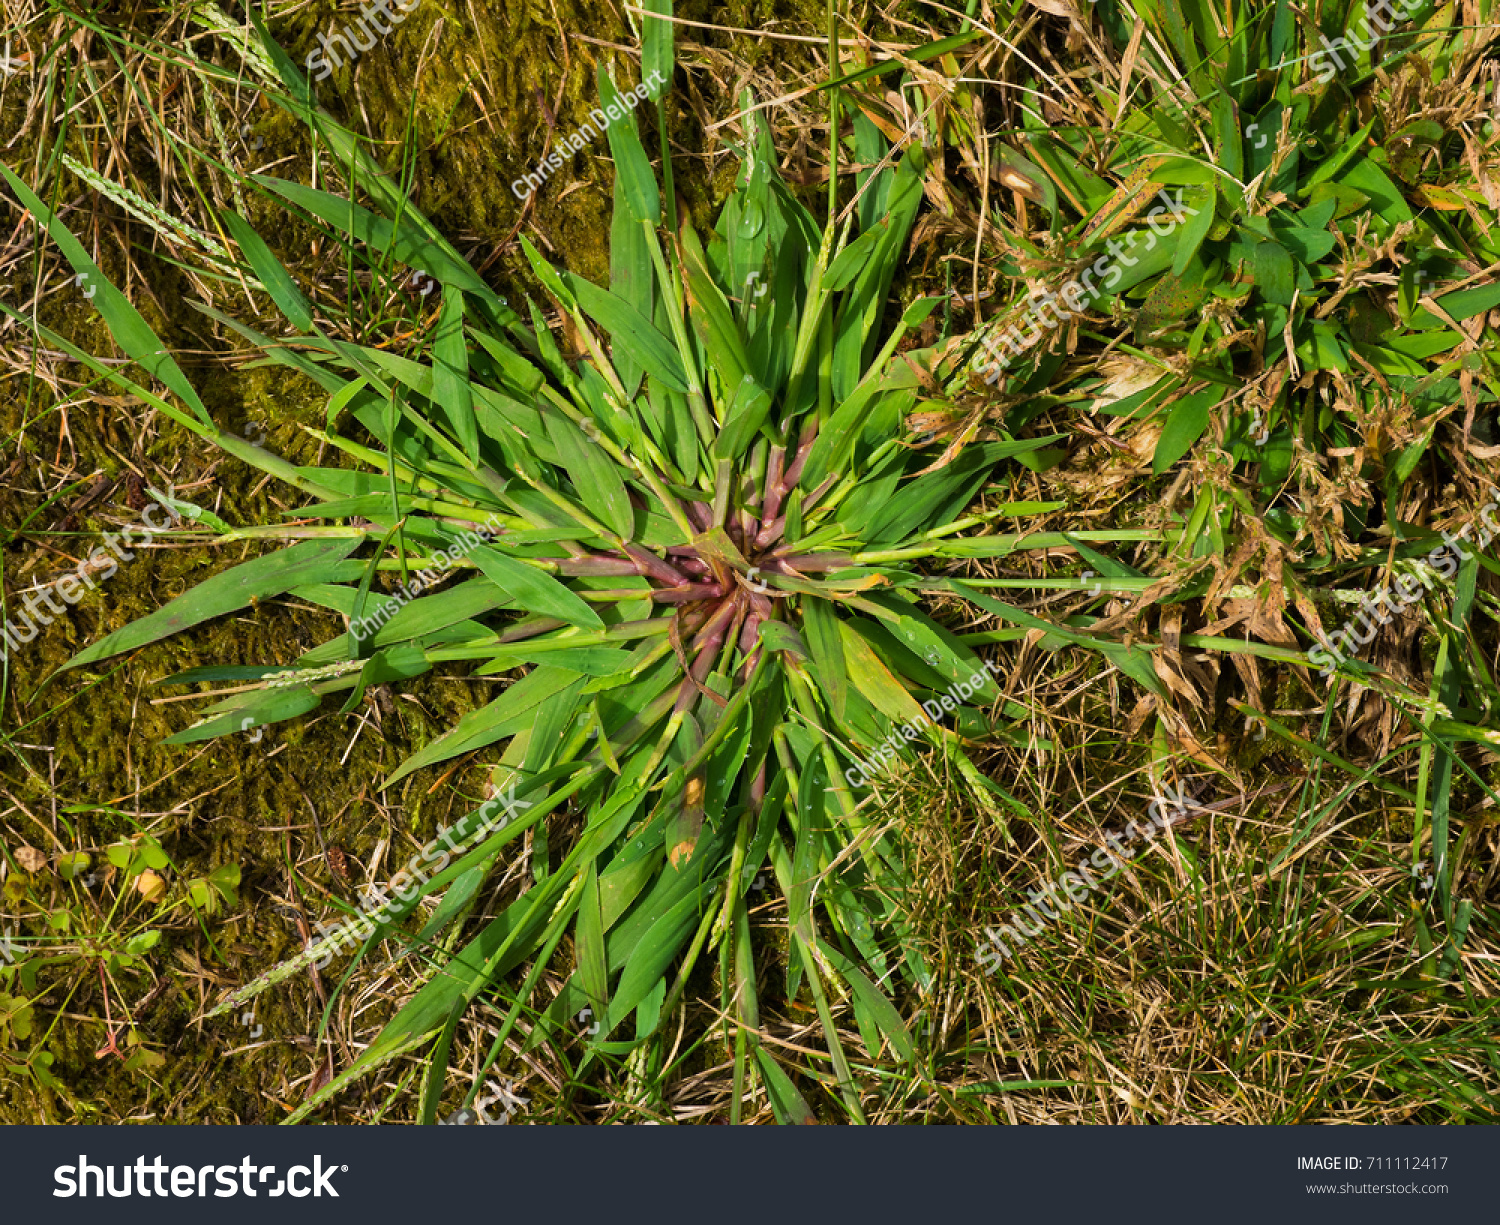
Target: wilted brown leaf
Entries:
(30, 859)
(150, 886)
(1058, 8)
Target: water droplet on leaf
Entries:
(752, 219)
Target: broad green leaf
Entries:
(513, 711)
(590, 661)
(779, 636)
(416, 620)
(650, 957)
(1195, 229)
(714, 321)
(877, 683)
(519, 376)
(632, 166)
(1274, 275)
(1385, 197)
(632, 277)
(942, 652)
(1466, 303)
(593, 968)
(789, 1106)
(866, 302)
(275, 706)
(747, 410)
(630, 330)
(1188, 421)
(873, 1000)
(822, 626)
(534, 590)
(431, 1006)
(594, 475)
(851, 261)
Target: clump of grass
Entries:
(701, 575)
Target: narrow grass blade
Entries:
(313, 561)
(130, 331)
(450, 372)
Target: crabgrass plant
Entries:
(695, 557)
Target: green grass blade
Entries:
(313, 561)
(450, 372)
(130, 331)
(632, 167)
(596, 479)
(513, 711)
(657, 58)
(271, 273)
(630, 331)
(538, 592)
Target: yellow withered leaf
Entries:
(685, 827)
(1129, 200)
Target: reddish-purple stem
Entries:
(712, 640)
(690, 619)
(750, 632)
(824, 486)
(688, 593)
(687, 694)
(597, 566)
(701, 514)
(812, 563)
(804, 447)
(743, 675)
(773, 484)
(771, 532)
(711, 636)
(650, 564)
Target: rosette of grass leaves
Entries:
(695, 554)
